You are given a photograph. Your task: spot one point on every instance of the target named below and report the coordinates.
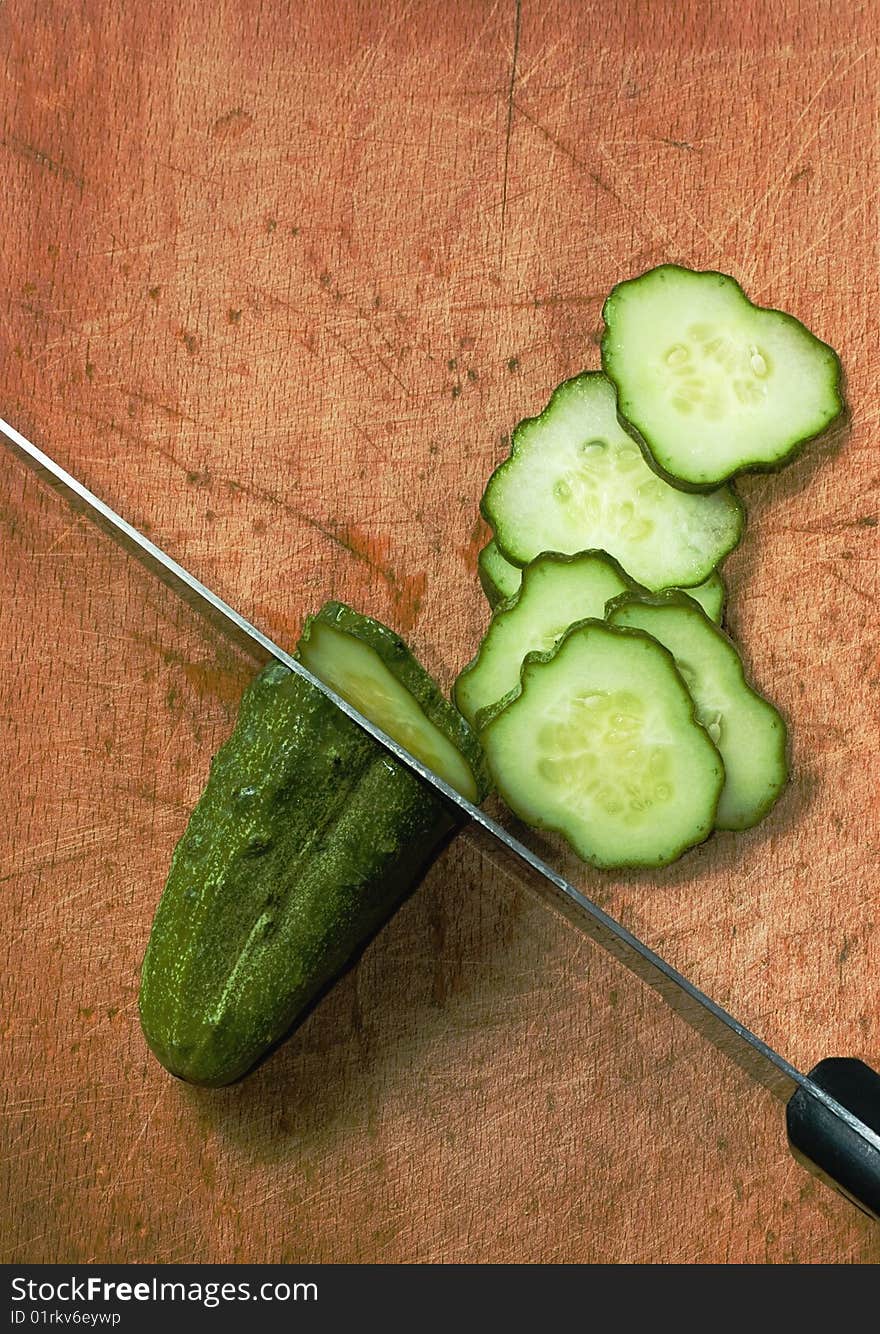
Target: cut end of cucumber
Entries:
(374, 672)
(576, 480)
(602, 746)
(711, 384)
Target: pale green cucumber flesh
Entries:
(356, 672)
(556, 591)
(748, 731)
(710, 596)
(374, 671)
(602, 746)
(498, 578)
(711, 384)
(576, 480)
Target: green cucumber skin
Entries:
(399, 660)
(765, 466)
(701, 489)
(306, 838)
(495, 595)
(736, 499)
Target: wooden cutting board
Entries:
(277, 281)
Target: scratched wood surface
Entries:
(276, 281)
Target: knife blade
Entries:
(833, 1113)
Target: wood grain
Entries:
(277, 281)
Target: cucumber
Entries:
(306, 838)
(576, 480)
(498, 578)
(710, 384)
(556, 590)
(710, 595)
(748, 731)
(500, 582)
(602, 746)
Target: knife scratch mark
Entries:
(788, 171)
(594, 176)
(257, 493)
(41, 159)
(853, 588)
(102, 1023)
(64, 534)
(51, 850)
(27, 1106)
(544, 59)
(365, 370)
(87, 891)
(634, 206)
(175, 413)
(509, 127)
(371, 63)
(835, 225)
(26, 1247)
(476, 46)
(782, 144)
(136, 1141)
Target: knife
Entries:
(832, 1113)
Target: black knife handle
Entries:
(827, 1143)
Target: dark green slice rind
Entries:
(485, 715)
(632, 421)
(492, 568)
(509, 604)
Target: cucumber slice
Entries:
(576, 480)
(711, 384)
(372, 668)
(501, 581)
(556, 591)
(602, 746)
(498, 578)
(748, 731)
(710, 596)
